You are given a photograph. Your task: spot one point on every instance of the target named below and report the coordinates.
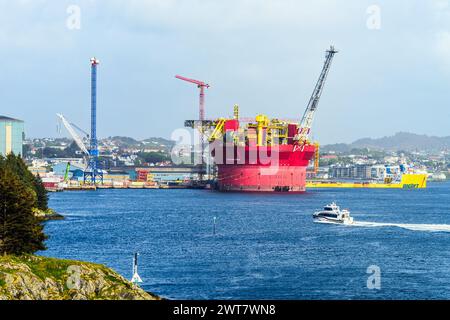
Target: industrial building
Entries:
(12, 135)
(365, 172)
(351, 172)
(76, 169)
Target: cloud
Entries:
(263, 54)
(212, 16)
(32, 24)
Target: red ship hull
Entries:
(263, 169)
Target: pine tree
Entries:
(17, 164)
(20, 168)
(20, 231)
(41, 193)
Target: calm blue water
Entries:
(266, 246)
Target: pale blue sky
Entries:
(264, 55)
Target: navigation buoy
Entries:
(136, 279)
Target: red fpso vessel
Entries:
(259, 157)
(264, 155)
(287, 174)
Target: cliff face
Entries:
(40, 278)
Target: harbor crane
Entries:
(78, 140)
(304, 130)
(79, 129)
(93, 173)
(202, 124)
(201, 85)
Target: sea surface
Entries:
(265, 246)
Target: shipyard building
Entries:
(364, 172)
(11, 136)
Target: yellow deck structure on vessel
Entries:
(408, 181)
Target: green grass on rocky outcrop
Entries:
(41, 266)
(42, 278)
(48, 214)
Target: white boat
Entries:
(332, 213)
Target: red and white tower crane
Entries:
(201, 85)
(201, 124)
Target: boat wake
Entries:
(413, 227)
(408, 226)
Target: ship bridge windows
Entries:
(329, 215)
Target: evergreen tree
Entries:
(21, 231)
(18, 166)
(41, 193)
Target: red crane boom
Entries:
(201, 85)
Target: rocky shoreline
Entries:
(41, 278)
(48, 214)
(31, 277)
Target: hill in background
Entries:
(402, 141)
(127, 142)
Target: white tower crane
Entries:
(74, 134)
(304, 129)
